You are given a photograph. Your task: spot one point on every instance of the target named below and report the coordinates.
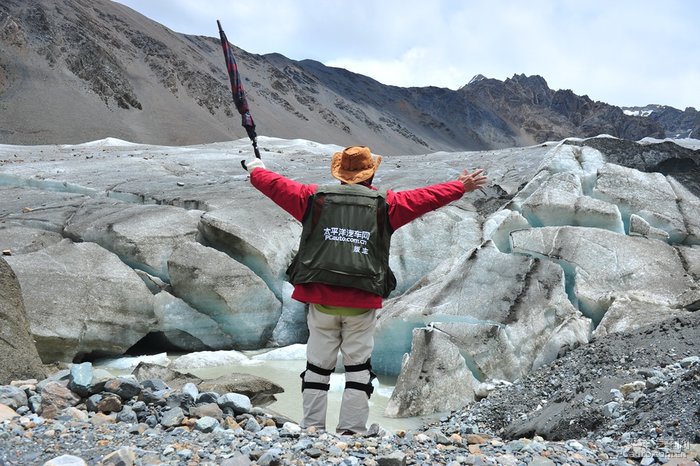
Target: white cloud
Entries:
(626, 52)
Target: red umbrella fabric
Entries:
(239, 98)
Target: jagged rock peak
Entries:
(530, 81)
(476, 78)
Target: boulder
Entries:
(7, 413)
(55, 397)
(261, 391)
(434, 377)
(19, 359)
(13, 397)
(80, 381)
(81, 299)
(173, 378)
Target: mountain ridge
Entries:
(77, 70)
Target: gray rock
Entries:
(541, 461)
(206, 424)
(99, 378)
(81, 378)
(207, 410)
(690, 361)
(190, 389)
(62, 375)
(396, 458)
(434, 378)
(207, 397)
(612, 409)
(156, 397)
(128, 415)
(251, 425)
(654, 382)
(648, 373)
(63, 280)
(139, 406)
(238, 403)
(125, 387)
(237, 460)
(183, 400)
(104, 403)
(154, 384)
(271, 457)
(172, 417)
(124, 456)
(18, 356)
(34, 403)
(14, 397)
(259, 390)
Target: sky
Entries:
(622, 52)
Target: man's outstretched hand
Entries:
(473, 180)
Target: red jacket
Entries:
(404, 206)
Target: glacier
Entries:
(172, 246)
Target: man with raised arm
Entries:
(342, 268)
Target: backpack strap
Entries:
(316, 208)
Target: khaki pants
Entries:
(354, 337)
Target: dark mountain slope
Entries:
(78, 70)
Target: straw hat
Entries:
(354, 165)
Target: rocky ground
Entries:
(645, 383)
(623, 399)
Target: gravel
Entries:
(624, 399)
